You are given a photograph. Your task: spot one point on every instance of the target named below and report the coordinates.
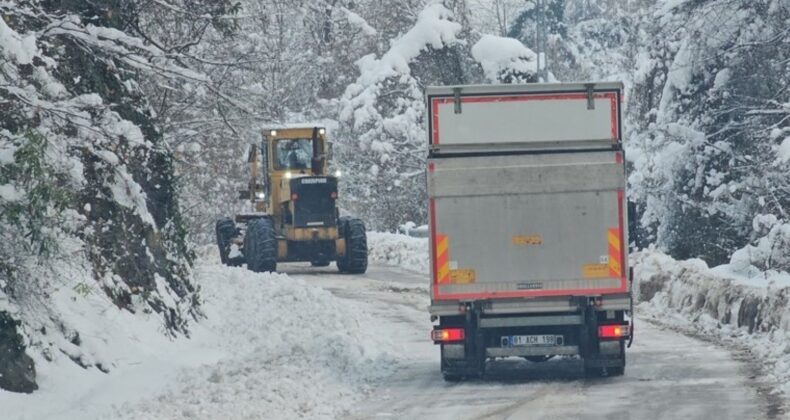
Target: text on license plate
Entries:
(529, 340)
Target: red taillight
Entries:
(447, 335)
(613, 331)
(333, 195)
(294, 196)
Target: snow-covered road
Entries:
(669, 375)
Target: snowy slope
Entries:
(269, 344)
(719, 303)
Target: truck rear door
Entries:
(526, 191)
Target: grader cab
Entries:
(294, 213)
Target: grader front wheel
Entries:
(226, 230)
(260, 246)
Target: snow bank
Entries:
(399, 250)
(84, 347)
(502, 56)
(291, 349)
(270, 346)
(720, 303)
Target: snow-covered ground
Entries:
(269, 344)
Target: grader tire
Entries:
(226, 230)
(260, 246)
(356, 259)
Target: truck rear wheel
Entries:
(604, 372)
(618, 370)
(452, 377)
(226, 230)
(260, 246)
(356, 259)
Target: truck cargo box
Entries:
(507, 117)
(526, 191)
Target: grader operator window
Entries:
(293, 153)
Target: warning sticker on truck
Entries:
(462, 276)
(527, 240)
(595, 271)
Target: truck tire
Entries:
(604, 372)
(616, 371)
(356, 259)
(620, 370)
(226, 230)
(260, 246)
(452, 377)
(595, 372)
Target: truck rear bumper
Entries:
(456, 351)
(614, 302)
(532, 351)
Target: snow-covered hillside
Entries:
(269, 344)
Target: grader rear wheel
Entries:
(356, 259)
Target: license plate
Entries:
(529, 340)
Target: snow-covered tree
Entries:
(382, 143)
(505, 60)
(708, 112)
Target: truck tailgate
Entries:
(523, 225)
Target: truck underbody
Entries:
(565, 327)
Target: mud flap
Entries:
(473, 362)
(595, 360)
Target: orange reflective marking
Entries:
(615, 255)
(442, 259)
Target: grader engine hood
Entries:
(313, 200)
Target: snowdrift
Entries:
(747, 312)
(399, 251)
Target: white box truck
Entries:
(528, 229)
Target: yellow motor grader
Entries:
(294, 208)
